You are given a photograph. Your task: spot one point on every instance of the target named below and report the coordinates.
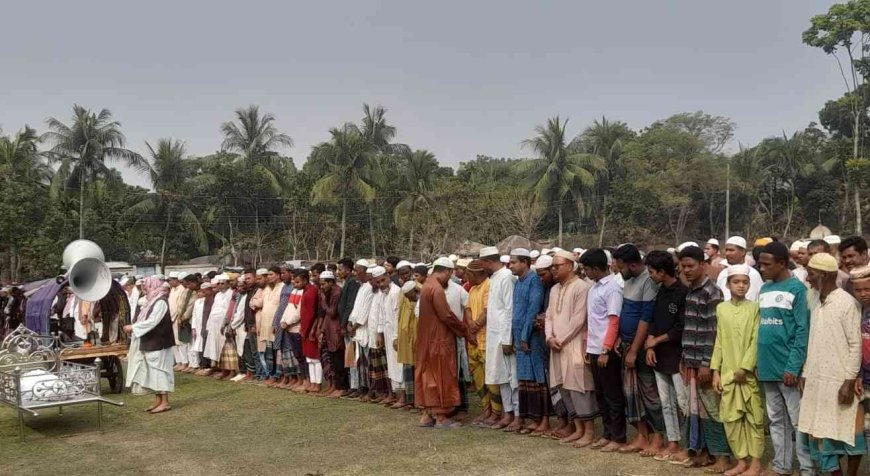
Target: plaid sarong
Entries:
(703, 429)
(229, 357)
(408, 377)
(534, 400)
(634, 410)
(378, 377)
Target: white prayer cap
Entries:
(327, 275)
(577, 250)
(534, 254)
(409, 286)
(221, 277)
(262, 271)
(672, 250)
(520, 252)
(832, 239)
(556, 249)
(544, 262)
(377, 271)
(140, 281)
(488, 251)
(182, 275)
(738, 241)
(453, 258)
(738, 269)
(206, 286)
(462, 262)
(173, 275)
(165, 285)
(416, 265)
(139, 276)
(443, 262)
(241, 278)
(609, 257)
(362, 262)
(545, 251)
(713, 241)
(686, 245)
(505, 259)
(402, 264)
(796, 245)
(124, 281)
(160, 277)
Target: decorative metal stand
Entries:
(33, 377)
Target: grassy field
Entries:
(222, 428)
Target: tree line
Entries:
(360, 192)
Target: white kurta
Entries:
(133, 301)
(833, 356)
(457, 299)
(500, 368)
(215, 339)
(150, 371)
(360, 314)
(388, 317)
(238, 323)
(198, 342)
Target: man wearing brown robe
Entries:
(436, 376)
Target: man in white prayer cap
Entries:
(358, 321)
(735, 253)
(501, 364)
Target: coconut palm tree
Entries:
(257, 141)
(605, 139)
(416, 183)
(84, 146)
(789, 159)
(378, 133)
(20, 159)
(170, 178)
(345, 158)
(559, 176)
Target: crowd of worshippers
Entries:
(697, 351)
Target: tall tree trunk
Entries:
(856, 135)
(411, 232)
(163, 245)
(601, 231)
(82, 205)
(233, 244)
(559, 210)
(372, 227)
(343, 224)
(257, 256)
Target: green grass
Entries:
(223, 428)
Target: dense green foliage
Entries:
(362, 193)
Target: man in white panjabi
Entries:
(386, 307)
(197, 343)
(215, 338)
(359, 317)
(150, 356)
(175, 289)
(829, 407)
(457, 299)
(237, 324)
(501, 363)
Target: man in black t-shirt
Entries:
(663, 344)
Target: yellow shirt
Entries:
(407, 335)
(477, 299)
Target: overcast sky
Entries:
(458, 78)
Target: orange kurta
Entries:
(436, 379)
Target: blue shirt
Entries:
(638, 303)
(527, 299)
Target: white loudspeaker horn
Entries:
(89, 277)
